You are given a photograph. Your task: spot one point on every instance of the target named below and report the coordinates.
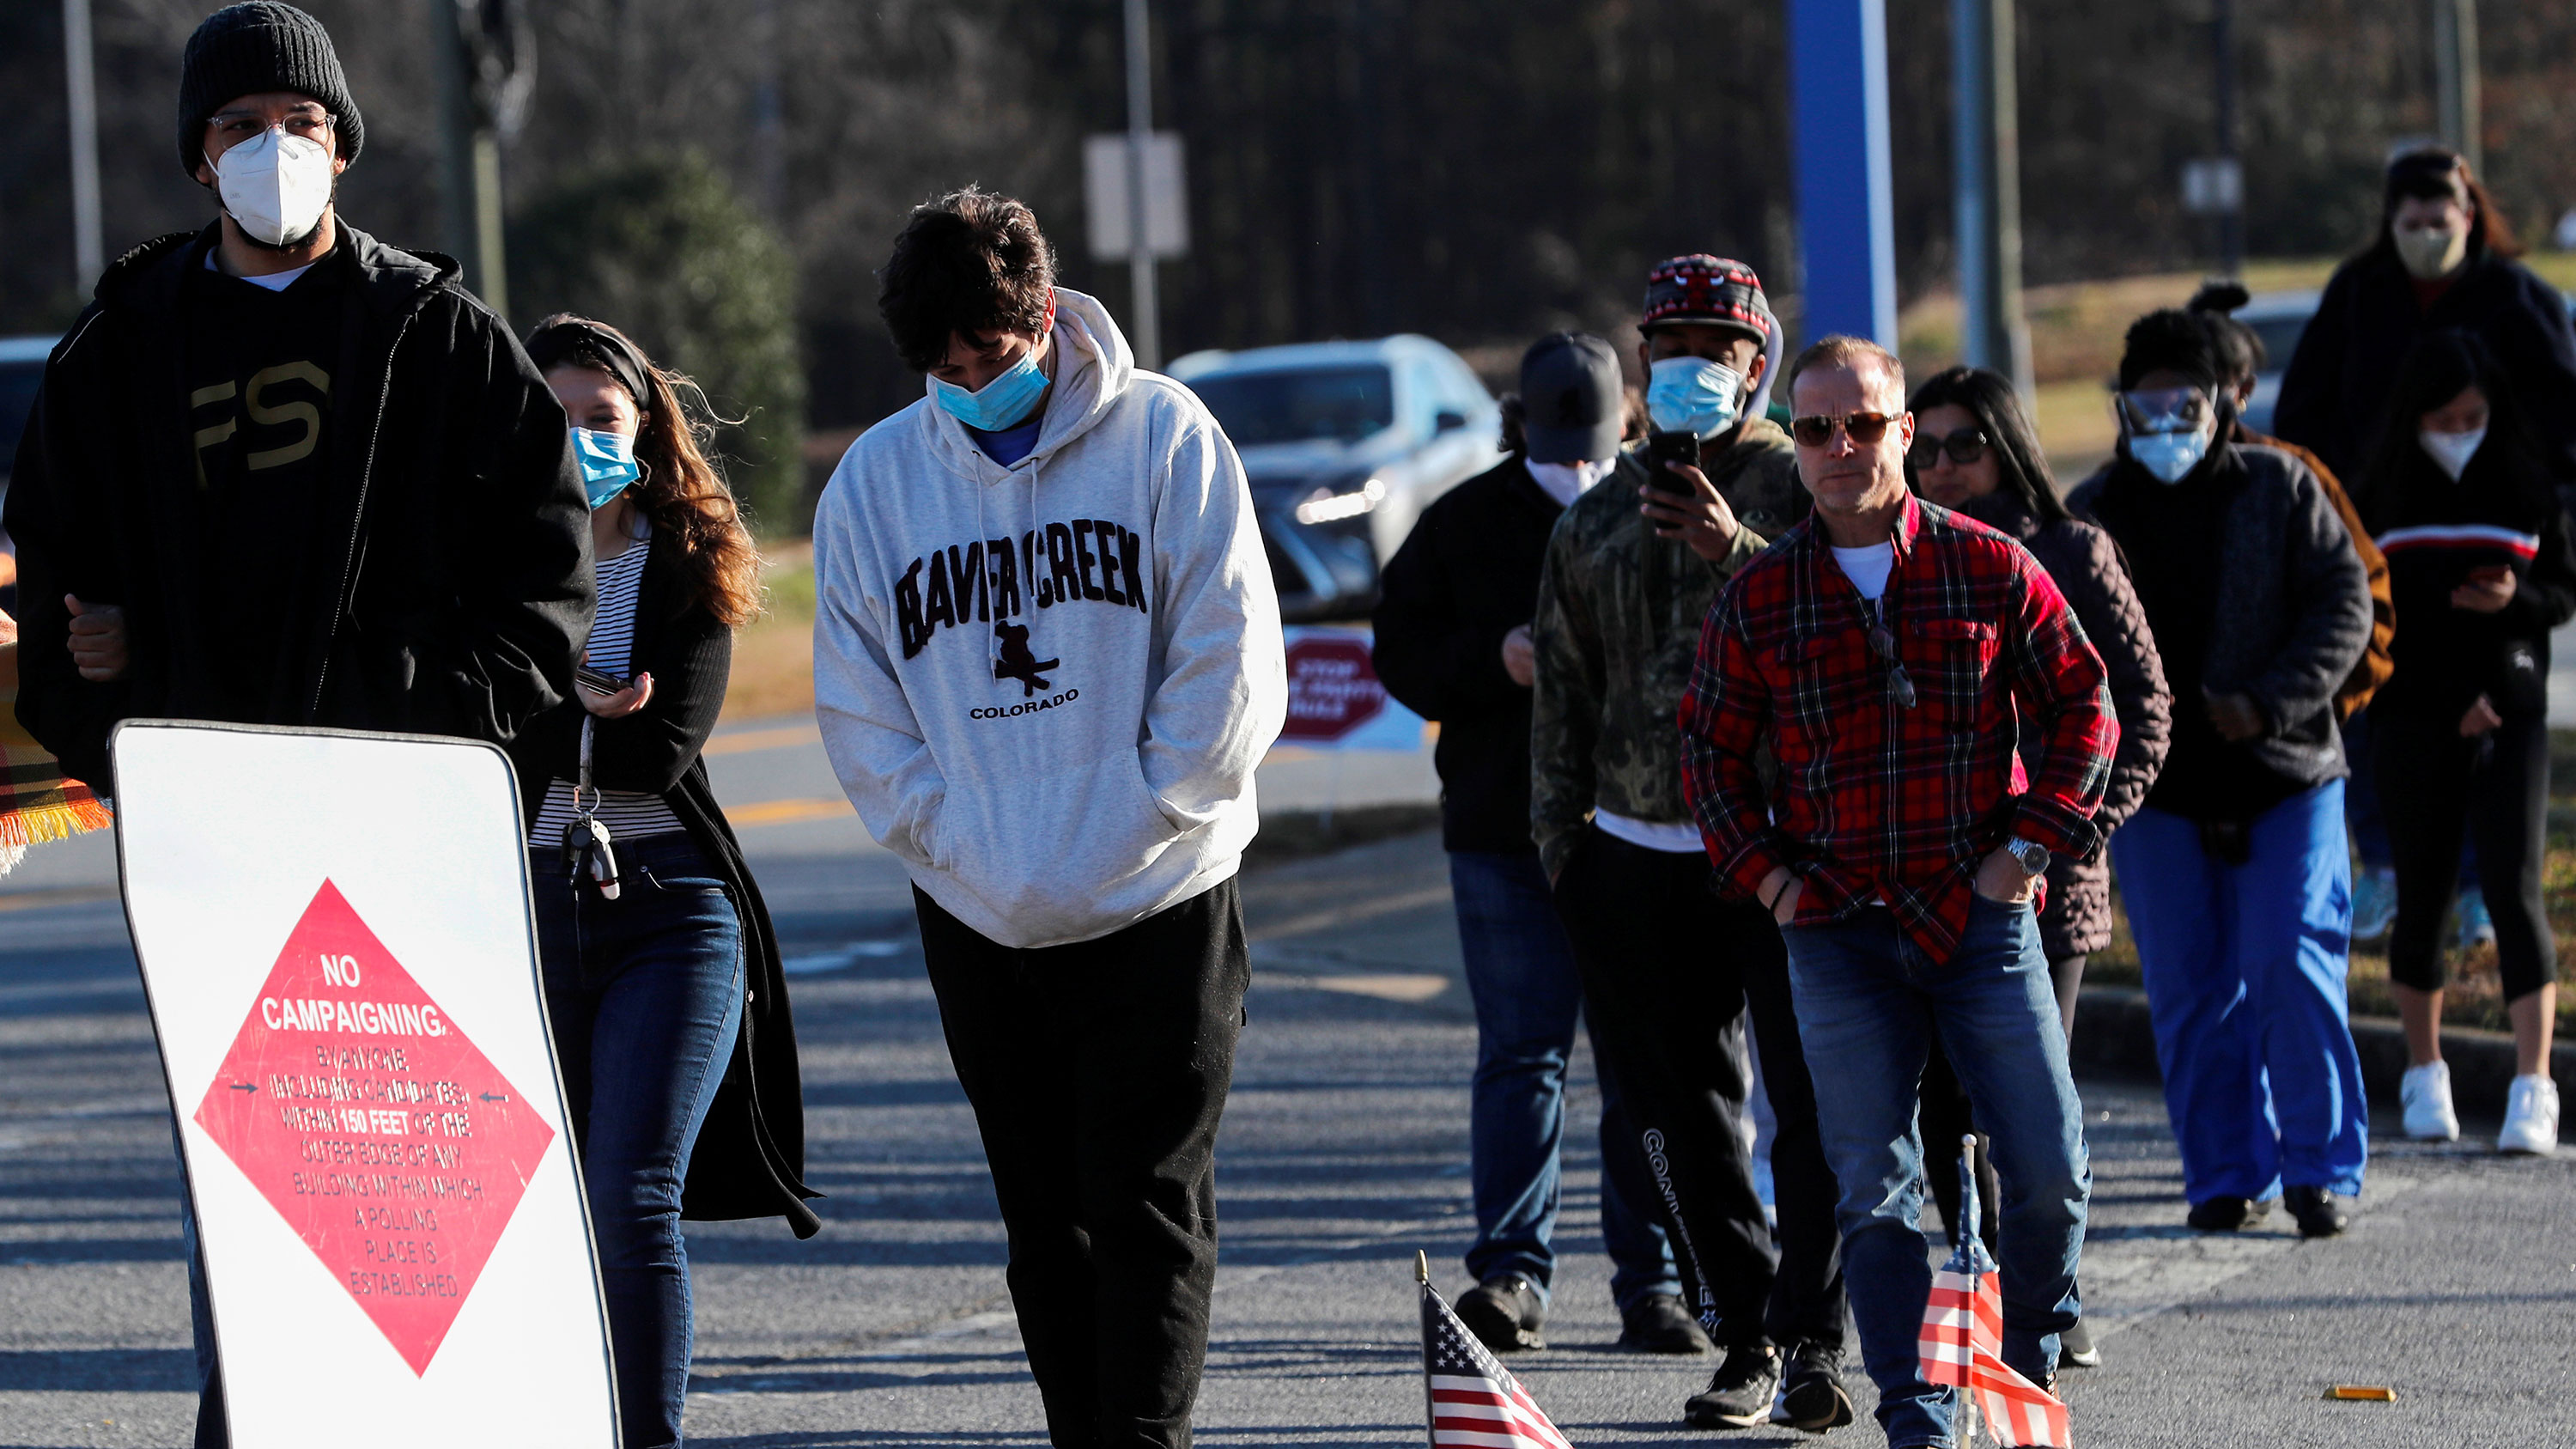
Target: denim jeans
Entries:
(2244, 967)
(1870, 1002)
(645, 997)
(1528, 994)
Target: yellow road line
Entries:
(786, 812)
(749, 740)
(37, 900)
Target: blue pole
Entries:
(1846, 201)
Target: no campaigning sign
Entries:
(369, 1120)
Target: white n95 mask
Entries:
(275, 185)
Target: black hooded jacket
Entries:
(2334, 394)
(437, 579)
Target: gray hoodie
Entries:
(1046, 686)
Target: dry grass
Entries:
(773, 656)
(2475, 997)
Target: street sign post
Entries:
(335, 941)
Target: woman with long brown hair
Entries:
(662, 975)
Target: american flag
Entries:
(1962, 1342)
(1475, 1402)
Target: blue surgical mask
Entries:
(1693, 395)
(2169, 456)
(1002, 403)
(607, 464)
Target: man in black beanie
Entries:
(282, 473)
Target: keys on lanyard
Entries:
(588, 855)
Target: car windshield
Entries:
(17, 395)
(2280, 338)
(1298, 405)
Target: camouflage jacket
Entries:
(1619, 614)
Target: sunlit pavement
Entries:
(1344, 1150)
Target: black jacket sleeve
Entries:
(2308, 410)
(513, 508)
(2533, 342)
(2106, 604)
(690, 656)
(1435, 663)
(61, 480)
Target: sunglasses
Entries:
(1900, 685)
(1862, 428)
(1964, 447)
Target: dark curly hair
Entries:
(2171, 338)
(971, 262)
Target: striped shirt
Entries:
(628, 814)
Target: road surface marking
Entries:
(786, 812)
(1357, 911)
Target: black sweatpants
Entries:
(1097, 1072)
(1670, 975)
(2436, 787)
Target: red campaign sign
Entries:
(392, 1147)
(1332, 689)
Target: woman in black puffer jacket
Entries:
(1976, 453)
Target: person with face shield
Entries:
(1672, 974)
(2235, 871)
(2445, 257)
(282, 473)
(2478, 545)
(1454, 645)
(663, 983)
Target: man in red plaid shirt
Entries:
(1891, 655)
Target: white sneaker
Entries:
(2530, 1118)
(2426, 1091)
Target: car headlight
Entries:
(1326, 506)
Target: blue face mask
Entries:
(1002, 403)
(607, 464)
(1693, 395)
(2169, 456)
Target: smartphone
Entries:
(1662, 448)
(597, 681)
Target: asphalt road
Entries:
(1344, 1150)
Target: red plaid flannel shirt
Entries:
(1875, 802)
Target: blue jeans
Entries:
(2245, 966)
(645, 997)
(1869, 1003)
(1521, 973)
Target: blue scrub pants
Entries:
(2245, 969)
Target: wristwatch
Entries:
(2030, 854)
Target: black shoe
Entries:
(2227, 1214)
(2315, 1209)
(1505, 1312)
(2075, 1347)
(1811, 1390)
(1657, 1324)
(1738, 1396)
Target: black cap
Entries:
(243, 50)
(1570, 385)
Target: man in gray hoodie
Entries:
(1046, 661)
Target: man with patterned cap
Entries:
(280, 473)
(1671, 973)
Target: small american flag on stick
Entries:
(1963, 1338)
(1474, 1402)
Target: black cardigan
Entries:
(750, 1158)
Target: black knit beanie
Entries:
(2174, 339)
(243, 50)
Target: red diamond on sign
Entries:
(392, 1147)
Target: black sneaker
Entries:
(1738, 1396)
(1811, 1395)
(1505, 1312)
(2075, 1347)
(1656, 1323)
(2315, 1209)
(2227, 1214)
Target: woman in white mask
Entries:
(2479, 554)
(2444, 257)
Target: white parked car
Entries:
(1345, 444)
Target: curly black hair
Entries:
(2171, 338)
(971, 261)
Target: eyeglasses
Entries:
(236, 126)
(1862, 428)
(1964, 447)
(1882, 642)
